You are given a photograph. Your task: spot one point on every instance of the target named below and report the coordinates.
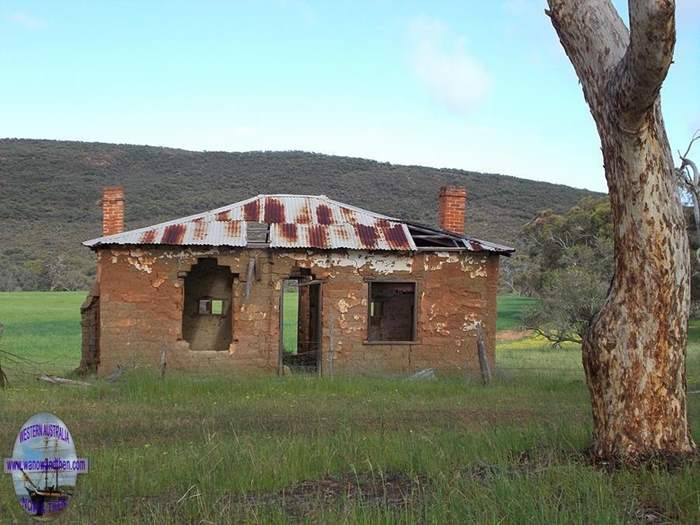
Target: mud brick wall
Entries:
(142, 296)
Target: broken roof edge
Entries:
(489, 246)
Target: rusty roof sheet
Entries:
(181, 233)
(392, 236)
(297, 209)
(294, 221)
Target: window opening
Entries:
(392, 308)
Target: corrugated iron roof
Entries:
(294, 221)
(182, 232)
(393, 236)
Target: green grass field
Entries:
(43, 327)
(510, 310)
(217, 449)
(290, 313)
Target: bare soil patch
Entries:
(385, 489)
(512, 335)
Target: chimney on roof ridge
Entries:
(453, 204)
(112, 210)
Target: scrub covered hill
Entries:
(49, 194)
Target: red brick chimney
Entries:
(112, 210)
(453, 204)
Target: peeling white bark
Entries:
(634, 353)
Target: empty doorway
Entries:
(300, 345)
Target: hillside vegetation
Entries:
(49, 193)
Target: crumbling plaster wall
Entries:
(142, 296)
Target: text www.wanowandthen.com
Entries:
(78, 465)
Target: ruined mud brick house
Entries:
(279, 282)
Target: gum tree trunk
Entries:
(634, 352)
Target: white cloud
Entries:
(28, 21)
(441, 61)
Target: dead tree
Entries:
(635, 349)
(689, 179)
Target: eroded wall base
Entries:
(90, 328)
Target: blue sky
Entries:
(464, 84)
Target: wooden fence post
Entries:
(481, 351)
(331, 343)
(3, 378)
(163, 361)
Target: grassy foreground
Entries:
(218, 449)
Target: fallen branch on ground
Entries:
(426, 373)
(55, 380)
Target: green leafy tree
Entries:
(569, 267)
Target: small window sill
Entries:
(390, 342)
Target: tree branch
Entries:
(556, 337)
(688, 165)
(595, 39)
(696, 136)
(647, 59)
